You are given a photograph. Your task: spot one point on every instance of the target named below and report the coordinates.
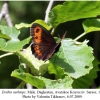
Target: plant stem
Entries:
(5, 13)
(48, 10)
(80, 36)
(7, 54)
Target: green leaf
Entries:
(39, 21)
(28, 78)
(91, 25)
(63, 83)
(55, 69)
(43, 23)
(75, 58)
(4, 36)
(13, 44)
(87, 80)
(21, 25)
(71, 10)
(41, 82)
(38, 67)
(10, 31)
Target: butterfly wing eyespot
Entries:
(44, 45)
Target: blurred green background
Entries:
(27, 12)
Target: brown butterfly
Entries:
(44, 45)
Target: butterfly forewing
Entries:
(41, 35)
(43, 42)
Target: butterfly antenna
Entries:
(63, 35)
(58, 35)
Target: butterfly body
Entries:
(44, 45)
